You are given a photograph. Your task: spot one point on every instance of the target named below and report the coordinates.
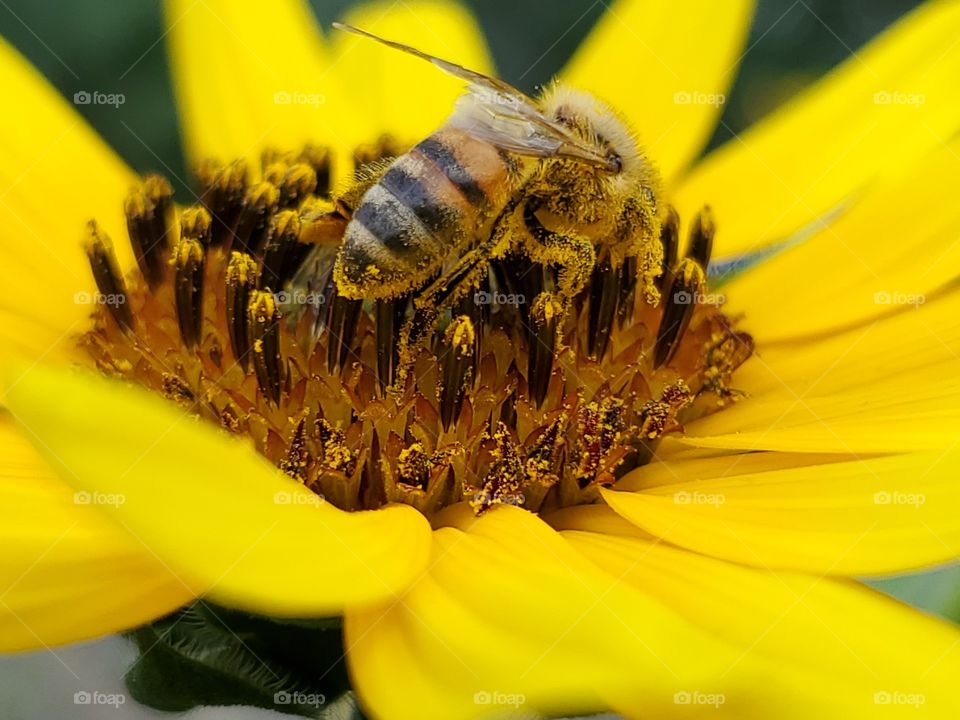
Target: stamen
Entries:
(223, 188)
(196, 223)
(545, 316)
(188, 259)
(390, 314)
(670, 239)
(678, 307)
(604, 295)
(259, 203)
(148, 209)
(701, 237)
(459, 367)
(106, 273)
(341, 325)
(263, 327)
(319, 158)
(297, 184)
(242, 276)
(282, 252)
(628, 290)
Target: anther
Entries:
(188, 261)
(341, 327)
(148, 209)
(242, 275)
(679, 304)
(545, 316)
(389, 319)
(459, 367)
(106, 273)
(297, 184)
(196, 223)
(282, 251)
(701, 237)
(259, 203)
(670, 239)
(273, 172)
(604, 294)
(319, 158)
(263, 319)
(222, 188)
(385, 147)
(628, 290)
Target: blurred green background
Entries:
(118, 47)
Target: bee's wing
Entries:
(501, 114)
(471, 76)
(518, 127)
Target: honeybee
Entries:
(559, 178)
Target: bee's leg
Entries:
(453, 286)
(574, 256)
(575, 259)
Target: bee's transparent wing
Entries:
(520, 128)
(471, 76)
(501, 114)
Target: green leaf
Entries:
(208, 655)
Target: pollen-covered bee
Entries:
(558, 179)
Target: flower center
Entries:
(512, 398)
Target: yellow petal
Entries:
(831, 649)
(406, 96)
(884, 387)
(508, 615)
(254, 75)
(67, 572)
(213, 509)
(858, 517)
(889, 252)
(885, 106)
(55, 175)
(667, 66)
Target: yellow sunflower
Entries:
(663, 533)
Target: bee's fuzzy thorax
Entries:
(599, 124)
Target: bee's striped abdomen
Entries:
(431, 202)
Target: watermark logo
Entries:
(482, 297)
(896, 497)
(95, 97)
(300, 297)
(82, 497)
(682, 297)
(696, 697)
(296, 97)
(94, 697)
(696, 97)
(495, 697)
(898, 697)
(98, 298)
(300, 699)
(287, 497)
(683, 497)
(896, 97)
(485, 498)
(898, 297)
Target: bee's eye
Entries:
(616, 162)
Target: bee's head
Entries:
(600, 126)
